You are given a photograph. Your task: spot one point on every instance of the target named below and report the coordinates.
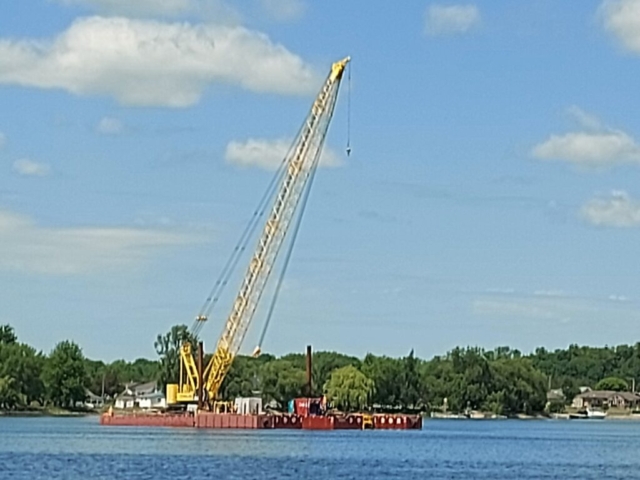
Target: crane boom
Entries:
(303, 159)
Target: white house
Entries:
(141, 395)
(152, 400)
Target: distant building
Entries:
(606, 399)
(556, 396)
(248, 405)
(141, 395)
(91, 401)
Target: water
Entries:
(72, 448)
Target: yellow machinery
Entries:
(300, 164)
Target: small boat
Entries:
(588, 414)
(596, 414)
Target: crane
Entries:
(301, 162)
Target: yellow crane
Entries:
(301, 162)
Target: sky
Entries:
(491, 196)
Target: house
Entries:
(91, 401)
(556, 396)
(125, 401)
(606, 399)
(152, 400)
(142, 395)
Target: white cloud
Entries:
(30, 248)
(622, 19)
(29, 168)
(3, 140)
(284, 10)
(517, 309)
(618, 210)
(109, 126)
(618, 298)
(269, 154)
(596, 146)
(549, 293)
(451, 19)
(584, 119)
(142, 62)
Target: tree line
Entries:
(504, 380)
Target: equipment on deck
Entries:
(297, 174)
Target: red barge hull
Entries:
(265, 422)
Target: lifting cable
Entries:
(232, 262)
(287, 257)
(349, 112)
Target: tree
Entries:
(9, 395)
(349, 389)
(386, 374)
(168, 348)
(23, 365)
(612, 383)
(281, 380)
(410, 393)
(7, 335)
(64, 375)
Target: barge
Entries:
(289, 421)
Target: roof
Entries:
(608, 394)
(89, 395)
(140, 389)
(151, 395)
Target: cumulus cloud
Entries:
(109, 126)
(622, 19)
(143, 62)
(451, 19)
(594, 146)
(29, 248)
(617, 210)
(269, 154)
(29, 168)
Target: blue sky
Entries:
(491, 196)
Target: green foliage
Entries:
(503, 381)
(23, 365)
(612, 383)
(7, 335)
(65, 375)
(168, 348)
(282, 380)
(9, 394)
(349, 389)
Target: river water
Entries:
(79, 448)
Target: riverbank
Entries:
(47, 412)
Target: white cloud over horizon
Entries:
(594, 146)
(30, 248)
(622, 19)
(451, 19)
(29, 168)
(152, 63)
(268, 154)
(617, 210)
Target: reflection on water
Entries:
(68, 448)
